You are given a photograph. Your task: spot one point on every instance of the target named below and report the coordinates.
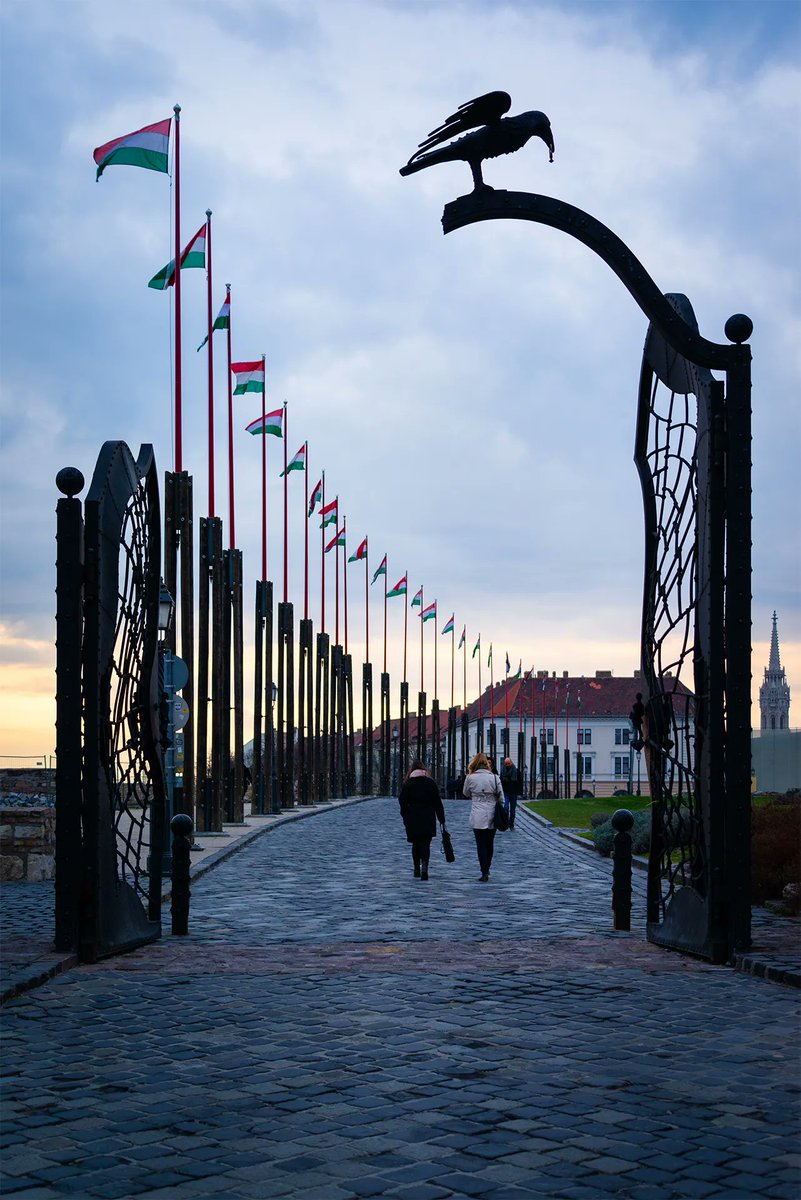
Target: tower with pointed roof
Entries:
(774, 694)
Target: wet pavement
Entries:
(333, 1028)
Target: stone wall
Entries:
(26, 785)
(27, 844)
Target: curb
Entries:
(38, 973)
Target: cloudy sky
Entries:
(471, 397)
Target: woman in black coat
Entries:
(421, 807)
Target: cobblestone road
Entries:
(334, 1028)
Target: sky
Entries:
(472, 398)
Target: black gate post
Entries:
(403, 747)
(285, 731)
(384, 743)
(367, 730)
(436, 747)
(69, 705)
(305, 711)
(422, 730)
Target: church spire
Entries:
(774, 664)
(774, 694)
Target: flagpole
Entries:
(453, 658)
(306, 539)
(211, 362)
(506, 703)
(405, 623)
(480, 704)
(336, 577)
(422, 606)
(344, 574)
(386, 569)
(286, 523)
(179, 450)
(322, 558)
(366, 604)
(230, 428)
(492, 687)
(263, 468)
(436, 646)
(464, 670)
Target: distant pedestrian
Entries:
(421, 806)
(459, 786)
(512, 784)
(483, 787)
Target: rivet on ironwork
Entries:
(738, 328)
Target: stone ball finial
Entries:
(181, 825)
(70, 481)
(622, 820)
(739, 328)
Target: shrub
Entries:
(775, 848)
(604, 834)
(599, 819)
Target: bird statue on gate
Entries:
(493, 134)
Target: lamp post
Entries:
(395, 761)
(274, 806)
(166, 714)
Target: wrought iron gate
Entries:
(693, 456)
(110, 790)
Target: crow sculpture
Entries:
(493, 134)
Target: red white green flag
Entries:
(489, 656)
(221, 321)
(298, 463)
(359, 553)
(381, 569)
(316, 496)
(249, 376)
(337, 540)
(476, 648)
(519, 670)
(329, 513)
(461, 639)
(429, 613)
(147, 147)
(417, 602)
(267, 423)
(193, 256)
(508, 664)
(449, 627)
(399, 588)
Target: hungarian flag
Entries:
(193, 256)
(359, 553)
(316, 496)
(337, 540)
(461, 639)
(528, 674)
(428, 613)
(329, 513)
(417, 602)
(477, 647)
(382, 569)
(221, 321)
(268, 423)
(298, 463)
(449, 627)
(489, 656)
(399, 588)
(249, 376)
(519, 670)
(147, 148)
(508, 664)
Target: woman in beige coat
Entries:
(483, 788)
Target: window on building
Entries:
(585, 737)
(773, 722)
(621, 765)
(550, 737)
(622, 737)
(586, 769)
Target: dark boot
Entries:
(424, 869)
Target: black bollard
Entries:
(622, 822)
(182, 828)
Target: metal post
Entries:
(367, 730)
(622, 821)
(181, 826)
(403, 744)
(383, 761)
(422, 731)
(69, 705)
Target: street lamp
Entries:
(166, 609)
(395, 761)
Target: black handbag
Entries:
(501, 817)
(447, 845)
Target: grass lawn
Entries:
(575, 814)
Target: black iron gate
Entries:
(110, 790)
(692, 452)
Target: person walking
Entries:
(483, 788)
(421, 807)
(512, 784)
